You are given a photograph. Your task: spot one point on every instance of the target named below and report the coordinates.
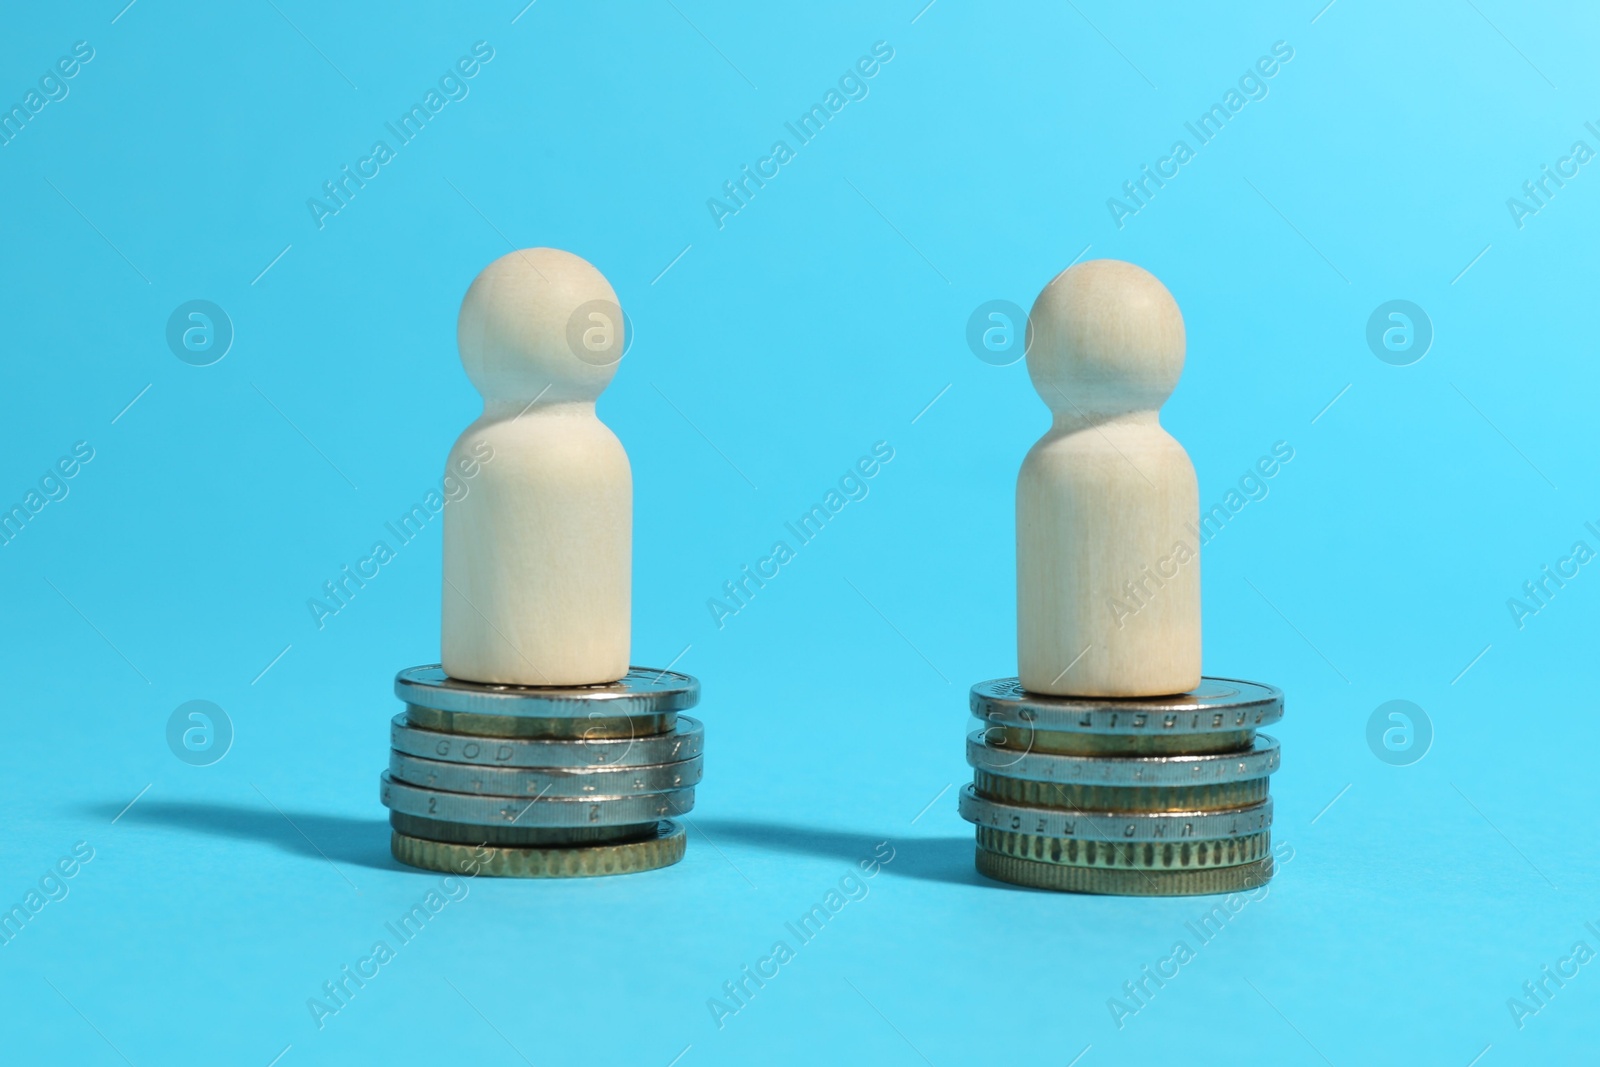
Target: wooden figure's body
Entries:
(538, 553)
(1108, 568)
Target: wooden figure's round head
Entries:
(1105, 337)
(540, 324)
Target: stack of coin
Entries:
(537, 782)
(1153, 796)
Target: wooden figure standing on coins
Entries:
(1108, 567)
(534, 750)
(538, 554)
(1109, 765)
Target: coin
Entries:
(547, 811)
(582, 861)
(544, 782)
(997, 786)
(1128, 855)
(1215, 705)
(468, 834)
(642, 691)
(1031, 739)
(684, 741)
(594, 726)
(1037, 875)
(1260, 760)
(1115, 826)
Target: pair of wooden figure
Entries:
(537, 558)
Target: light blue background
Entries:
(822, 318)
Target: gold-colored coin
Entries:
(1130, 883)
(1062, 742)
(456, 833)
(1128, 855)
(573, 861)
(587, 728)
(995, 785)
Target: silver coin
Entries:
(1258, 761)
(1112, 826)
(642, 691)
(544, 782)
(1216, 705)
(684, 742)
(546, 811)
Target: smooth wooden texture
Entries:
(1108, 568)
(538, 554)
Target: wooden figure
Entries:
(1108, 567)
(538, 554)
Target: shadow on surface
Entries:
(342, 841)
(931, 859)
(334, 839)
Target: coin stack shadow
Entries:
(1154, 796)
(536, 782)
